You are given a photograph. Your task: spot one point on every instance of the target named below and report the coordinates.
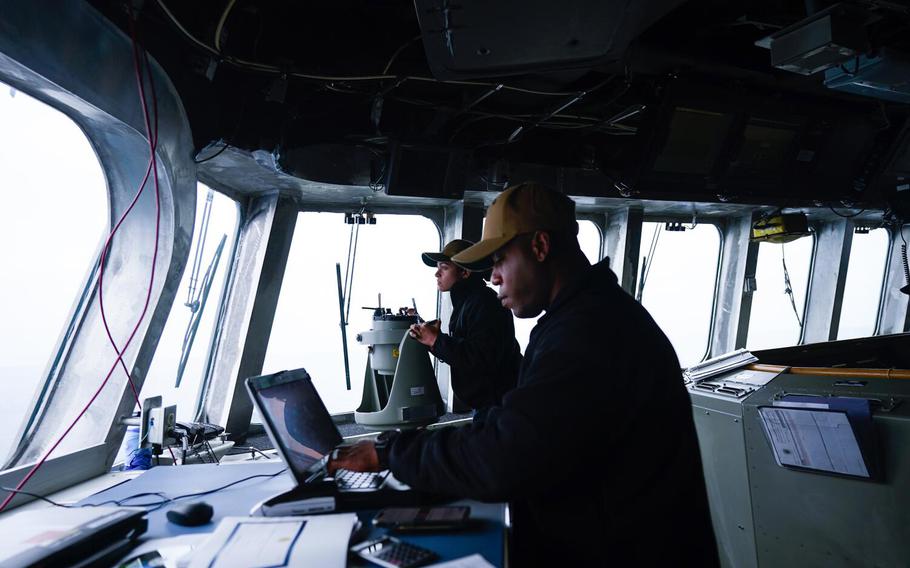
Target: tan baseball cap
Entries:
(451, 249)
(520, 209)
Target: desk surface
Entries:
(486, 536)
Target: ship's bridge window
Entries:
(677, 277)
(183, 349)
(55, 199)
(589, 239)
(778, 302)
(865, 275)
(306, 332)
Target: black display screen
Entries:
(296, 418)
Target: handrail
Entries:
(834, 371)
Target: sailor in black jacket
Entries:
(480, 347)
(595, 449)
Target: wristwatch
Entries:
(383, 444)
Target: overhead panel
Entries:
(486, 39)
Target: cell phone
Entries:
(423, 518)
(390, 552)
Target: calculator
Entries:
(390, 552)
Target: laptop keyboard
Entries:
(359, 479)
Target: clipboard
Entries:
(815, 439)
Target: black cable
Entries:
(252, 449)
(155, 505)
(484, 179)
(196, 453)
(210, 491)
(397, 52)
(906, 263)
(887, 125)
(240, 116)
(123, 502)
(272, 70)
(208, 446)
(119, 503)
(379, 184)
(36, 496)
(855, 68)
(213, 156)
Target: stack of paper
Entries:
(255, 542)
(719, 365)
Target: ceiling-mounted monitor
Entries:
(694, 141)
(764, 151)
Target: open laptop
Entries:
(305, 436)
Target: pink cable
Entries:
(154, 145)
(154, 168)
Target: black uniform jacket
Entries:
(595, 449)
(480, 346)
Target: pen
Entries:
(416, 313)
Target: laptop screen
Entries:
(296, 419)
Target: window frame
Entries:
(215, 341)
(79, 308)
(106, 115)
(434, 214)
(718, 226)
(598, 222)
(810, 277)
(879, 313)
(228, 283)
(41, 397)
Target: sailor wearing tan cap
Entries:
(595, 449)
(480, 347)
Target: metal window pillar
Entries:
(462, 221)
(264, 241)
(732, 299)
(623, 241)
(827, 280)
(894, 310)
(749, 287)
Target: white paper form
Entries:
(259, 545)
(172, 549)
(814, 439)
(472, 561)
(276, 541)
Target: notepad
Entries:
(257, 542)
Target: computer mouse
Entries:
(191, 514)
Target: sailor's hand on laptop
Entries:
(359, 457)
(425, 333)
